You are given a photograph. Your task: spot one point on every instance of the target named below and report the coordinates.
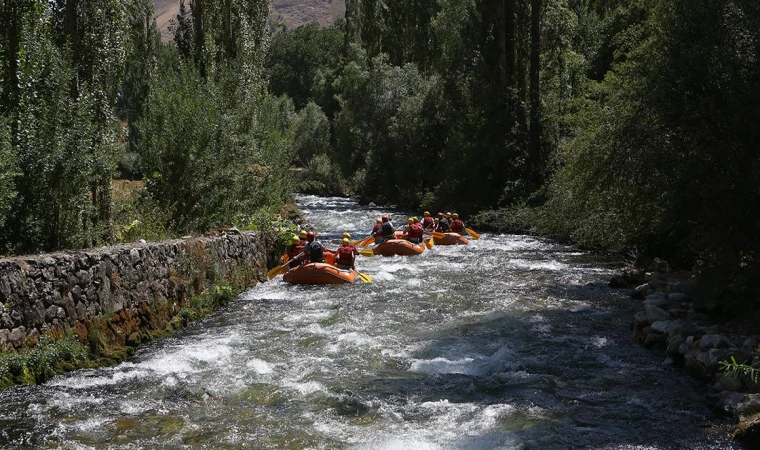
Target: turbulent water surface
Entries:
(511, 342)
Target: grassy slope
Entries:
(292, 12)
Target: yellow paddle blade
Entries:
(277, 271)
(367, 241)
(368, 252)
(429, 244)
(473, 235)
(365, 278)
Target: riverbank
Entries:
(71, 310)
(705, 348)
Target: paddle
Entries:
(283, 268)
(429, 244)
(278, 270)
(438, 235)
(368, 240)
(473, 235)
(365, 278)
(356, 242)
(367, 252)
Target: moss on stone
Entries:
(748, 431)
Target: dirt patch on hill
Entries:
(292, 12)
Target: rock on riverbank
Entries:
(668, 320)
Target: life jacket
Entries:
(315, 251)
(428, 223)
(415, 232)
(457, 226)
(294, 250)
(443, 225)
(376, 228)
(346, 255)
(387, 230)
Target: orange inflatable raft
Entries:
(320, 273)
(451, 239)
(398, 247)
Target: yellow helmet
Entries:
(455, 215)
(295, 240)
(437, 220)
(346, 236)
(448, 214)
(410, 220)
(345, 241)
(416, 220)
(379, 221)
(426, 213)
(303, 234)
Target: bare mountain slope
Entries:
(292, 12)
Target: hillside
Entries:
(292, 12)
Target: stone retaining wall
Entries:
(136, 288)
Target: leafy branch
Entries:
(739, 370)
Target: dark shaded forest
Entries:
(619, 126)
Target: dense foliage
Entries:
(617, 125)
(88, 88)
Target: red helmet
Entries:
(386, 218)
(310, 236)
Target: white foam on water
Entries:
(598, 341)
(81, 380)
(442, 365)
(304, 388)
(396, 443)
(259, 366)
(131, 408)
(315, 328)
(413, 282)
(553, 266)
(358, 340)
(384, 276)
(91, 424)
(272, 290)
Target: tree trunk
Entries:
(535, 92)
(196, 6)
(70, 31)
(510, 47)
(229, 47)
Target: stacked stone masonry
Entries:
(57, 291)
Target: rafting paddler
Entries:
(376, 228)
(293, 250)
(457, 226)
(414, 230)
(346, 255)
(428, 224)
(348, 236)
(443, 224)
(386, 231)
(314, 250)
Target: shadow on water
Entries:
(564, 389)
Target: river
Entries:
(512, 342)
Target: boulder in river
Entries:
(658, 299)
(748, 431)
(655, 314)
